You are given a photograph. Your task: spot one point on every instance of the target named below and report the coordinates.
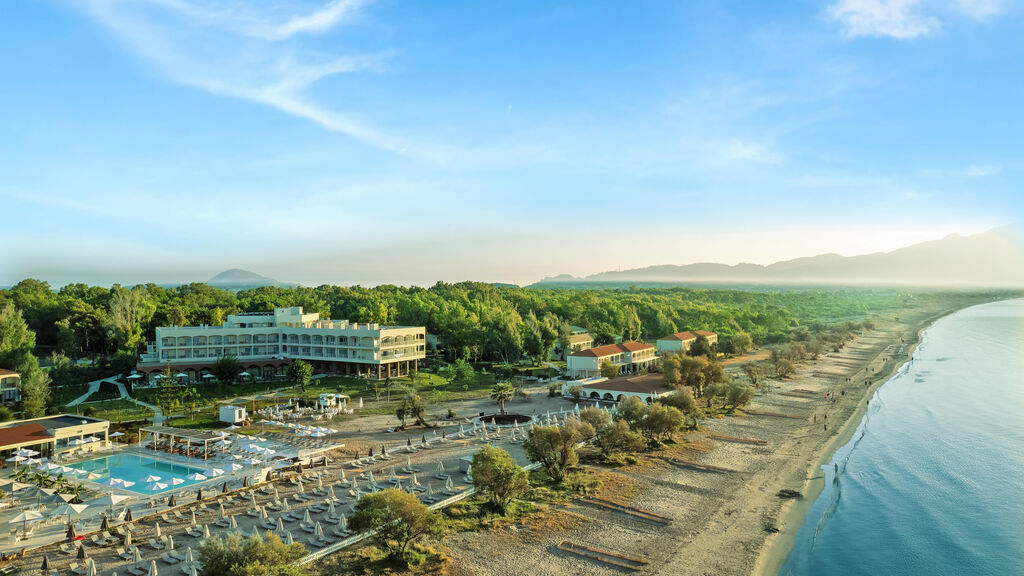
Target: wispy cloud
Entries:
(247, 52)
(906, 19)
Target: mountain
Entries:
(237, 278)
(991, 259)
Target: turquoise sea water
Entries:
(933, 480)
(135, 468)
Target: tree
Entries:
(130, 311)
(496, 474)
(609, 370)
(411, 406)
(555, 448)
(595, 417)
(784, 368)
(300, 373)
(701, 347)
(754, 373)
(167, 393)
(234, 555)
(575, 392)
(16, 345)
(189, 399)
(617, 437)
(397, 519)
(682, 399)
(661, 421)
(741, 343)
(738, 395)
(632, 411)
(226, 369)
(501, 393)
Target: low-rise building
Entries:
(682, 341)
(629, 357)
(266, 342)
(232, 414)
(10, 386)
(647, 387)
(53, 435)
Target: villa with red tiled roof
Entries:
(630, 357)
(681, 341)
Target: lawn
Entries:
(114, 410)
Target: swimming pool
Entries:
(136, 468)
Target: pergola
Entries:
(190, 437)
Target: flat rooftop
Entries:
(54, 422)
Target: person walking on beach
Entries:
(826, 426)
(836, 467)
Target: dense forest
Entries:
(475, 321)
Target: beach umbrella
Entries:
(156, 487)
(27, 515)
(343, 523)
(170, 542)
(152, 569)
(408, 442)
(175, 481)
(128, 515)
(256, 533)
(252, 498)
(245, 482)
(280, 526)
(189, 558)
(306, 519)
(105, 523)
(288, 538)
(171, 502)
(284, 504)
(81, 553)
(213, 472)
(71, 534)
(222, 515)
(331, 512)
(127, 483)
(301, 489)
(151, 478)
(196, 477)
(319, 530)
(263, 512)
(234, 467)
(46, 564)
(206, 530)
(330, 493)
(234, 523)
(136, 555)
(199, 495)
(192, 570)
(91, 570)
(193, 517)
(277, 496)
(15, 459)
(224, 489)
(128, 539)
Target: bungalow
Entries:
(629, 357)
(682, 341)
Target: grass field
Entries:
(115, 410)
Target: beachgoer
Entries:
(837, 468)
(826, 427)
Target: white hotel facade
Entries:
(266, 342)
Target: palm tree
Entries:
(19, 474)
(76, 489)
(501, 393)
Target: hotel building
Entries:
(266, 342)
(629, 357)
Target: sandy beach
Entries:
(720, 488)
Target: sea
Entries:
(932, 481)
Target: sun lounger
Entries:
(166, 558)
(253, 512)
(166, 519)
(194, 531)
(76, 569)
(179, 515)
(155, 544)
(310, 528)
(67, 549)
(223, 522)
(140, 569)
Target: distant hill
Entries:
(238, 279)
(991, 259)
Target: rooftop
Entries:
(6, 372)
(23, 434)
(644, 384)
(612, 349)
(53, 422)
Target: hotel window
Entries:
(230, 339)
(247, 351)
(272, 338)
(168, 341)
(217, 340)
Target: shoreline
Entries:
(776, 550)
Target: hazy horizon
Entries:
(369, 142)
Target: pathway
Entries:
(158, 414)
(94, 386)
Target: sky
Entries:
(382, 141)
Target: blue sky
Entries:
(408, 142)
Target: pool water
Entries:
(136, 468)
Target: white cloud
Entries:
(979, 170)
(241, 52)
(906, 19)
(895, 18)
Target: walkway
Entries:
(94, 386)
(158, 414)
